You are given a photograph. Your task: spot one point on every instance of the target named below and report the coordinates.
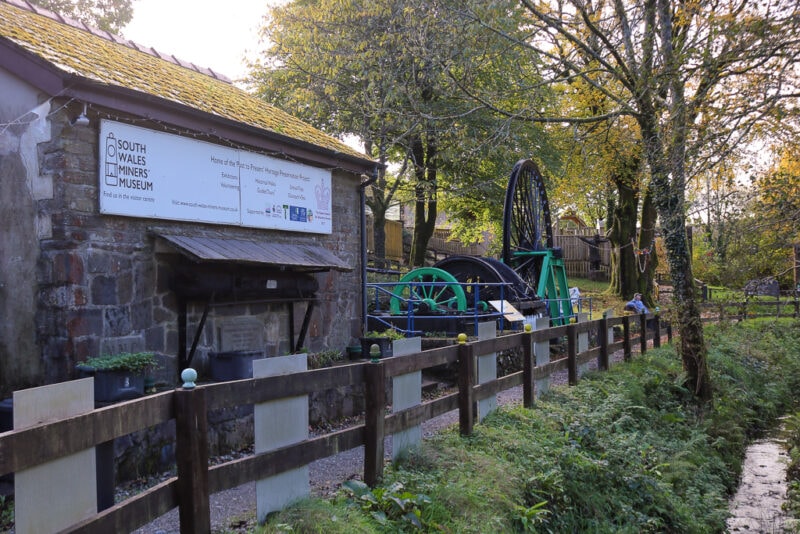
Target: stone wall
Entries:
(94, 283)
(24, 188)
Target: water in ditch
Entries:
(756, 507)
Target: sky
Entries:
(216, 35)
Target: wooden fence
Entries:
(577, 254)
(393, 244)
(441, 246)
(717, 311)
(189, 490)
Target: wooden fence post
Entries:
(528, 390)
(466, 379)
(572, 354)
(657, 330)
(602, 339)
(626, 338)
(643, 332)
(374, 418)
(191, 453)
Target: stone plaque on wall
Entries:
(121, 345)
(241, 333)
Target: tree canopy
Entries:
(384, 71)
(698, 78)
(663, 92)
(109, 15)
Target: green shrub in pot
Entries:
(118, 377)
(127, 361)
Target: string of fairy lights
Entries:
(642, 254)
(37, 111)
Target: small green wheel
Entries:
(428, 290)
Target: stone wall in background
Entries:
(94, 284)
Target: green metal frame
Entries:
(552, 285)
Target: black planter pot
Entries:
(355, 352)
(114, 386)
(234, 364)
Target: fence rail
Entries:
(717, 311)
(189, 408)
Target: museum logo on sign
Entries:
(126, 164)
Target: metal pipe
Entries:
(363, 198)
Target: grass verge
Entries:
(624, 451)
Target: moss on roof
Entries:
(107, 61)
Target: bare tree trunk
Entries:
(648, 259)
(692, 346)
(623, 236)
(424, 225)
(379, 233)
(425, 199)
(668, 175)
(379, 203)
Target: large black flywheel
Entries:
(487, 279)
(526, 221)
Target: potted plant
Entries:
(118, 377)
(382, 339)
(233, 364)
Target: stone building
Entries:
(148, 204)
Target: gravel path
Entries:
(236, 508)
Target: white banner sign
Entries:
(144, 173)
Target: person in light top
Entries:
(636, 305)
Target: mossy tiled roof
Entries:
(113, 61)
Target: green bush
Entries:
(391, 333)
(325, 358)
(129, 361)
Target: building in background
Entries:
(148, 204)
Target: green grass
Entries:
(6, 513)
(598, 292)
(624, 451)
(315, 515)
(720, 293)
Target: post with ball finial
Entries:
(375, 405)
(466, 381)
(528, 392)
(191, 452)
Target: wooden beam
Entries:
(572, 355)
(466, 380)
(375, 400)
(191, 455)
(29, 447)
(528, 363)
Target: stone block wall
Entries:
(98, 284)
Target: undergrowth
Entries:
(623, 451)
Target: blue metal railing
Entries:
(410, 302)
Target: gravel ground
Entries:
(235, 509)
